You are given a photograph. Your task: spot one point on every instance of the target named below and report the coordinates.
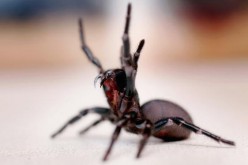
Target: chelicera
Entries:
(159, 118)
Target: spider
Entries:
(159, 118)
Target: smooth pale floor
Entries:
(35, 103)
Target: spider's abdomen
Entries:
(156, 110)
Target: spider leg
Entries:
(137, 54)
(92, 125)
(126, 59)
(129, 63)
(115, 136)
(146, 134)
(131, 72)
(181, 122)
(101, 111)
(87, 50)
(113, 139)
(121, 123)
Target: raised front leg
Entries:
(103, 112)
(181, 122)
(126, 59)
(87, 50)
(137, 54)
(129, 62)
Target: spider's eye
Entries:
(121, 79)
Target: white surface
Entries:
(36, 103)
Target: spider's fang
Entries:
(100, 76)
(103, 80)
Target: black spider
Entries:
(158, 118)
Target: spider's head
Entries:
(113, 80)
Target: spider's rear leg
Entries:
(181, 122)
(104, 112)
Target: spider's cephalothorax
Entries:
(159, 118)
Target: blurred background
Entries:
(44, 33)
(196, 54)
